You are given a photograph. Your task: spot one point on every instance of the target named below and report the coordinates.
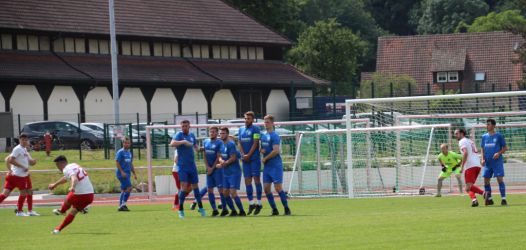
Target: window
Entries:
(6, 41)
(452, 76)
(480, 76)
(98, 46)
(27, 42)
(442, 77)
(58, 45)
(251, 101)
(21, 42)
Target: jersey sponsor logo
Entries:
(210, 152)
(246, 139)
(248, 132)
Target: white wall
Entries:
(2, 103)
(278, 104)
(304, 93)
(132, 102)
(99, 105)
(63, 104)
(194, 101)
(164, 105)
(223, 105)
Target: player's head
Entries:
(490, 124)
(249, 118)
(61, 162)
(269, 122)
(213, 132)
(24, 140)
(223, 133)
(460, 133)
(444, 148)
(185, 126)
(126, 143)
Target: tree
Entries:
(393, 15)
(382, 85)
(507, 20)
(329, 51)
(443, 16)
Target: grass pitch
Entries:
(382, 223)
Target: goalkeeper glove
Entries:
(444, 169)
(455, 167)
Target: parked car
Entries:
(66, 134)
(137, 141)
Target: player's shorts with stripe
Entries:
(188, 174)
(449, 172)
(232, 181)
(470, 175)
(215, 179)
(79, 201)
(252, 168)
(13, 181)
(493, 169)
(273, 174)
(125, 181)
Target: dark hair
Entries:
(492, 121)
(126, 138)
(22, 135)
(225, 129)
(251, 114)
(270, 117)
(60, 158)
(215, 128)
(185, 122)
(463, 131)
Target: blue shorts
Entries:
(188, 175)
(232, 181)
(252, 168)
(125, 182)
(215, 180)
(493, 170)
(273, 174)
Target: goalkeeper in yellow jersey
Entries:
(450, 162)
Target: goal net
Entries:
(414, 153)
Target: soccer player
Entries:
(493, 146)
(249, 147)
(450, 162)
(80, 192)
(124, 162)
(214, 175)
(470, 165)
(18, 163)
(186, 143)
(232, 174)
(273, 170)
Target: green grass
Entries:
(388, 223)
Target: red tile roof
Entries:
(43, 66)
(489, 52)
(212, 20)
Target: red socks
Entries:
(30, 202)
(476, 189)
(20, 204)
(65, 207)
(2, 197)
(69, 218)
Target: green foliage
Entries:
(331, 52)
(445, 106)
(382, 85)
(443, 16)
(393, 15)
(507, 20)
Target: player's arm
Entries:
(255, 145)
(7, 165)
(177, 143)
(32, 161)
(12, 161)
(464, 151)
(74, 181)
(444, 168)
(57, 183)
(272, 154)
(503, 149)
(240, 147)
(482, 158)
(231, 159)
(133, 170)
(123, 174)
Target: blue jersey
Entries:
(268, 140)
(124, 158)
(491, 145)
(247, 136)
(185, 154)
(227, 150)
(212, 148)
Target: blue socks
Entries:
(182, 196)
(239, 204)
(259, 191)
(271, 201)
(502, 189)
(125, 197)
(203, 192)
(230, 203)
(198, 198)
(487, 188)
(223, 201)
(212, 200)
(283, 198)
(121, 199)
(250, 192)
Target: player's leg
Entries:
(178, 185)
(470, 176)
(79, 202)
(125, 192)
(267, 184)
(228, 203)
(20, 203)
(233, 193)
(487, 173)
(29, 198)
(459, 181)
(202, 193)
(212, 200)
(256, 173)
(502, 189)
(223, 200)
(65, 205)
(194, 180)
(5, 193)
(277, 177)
(439, 184)
(247, 174)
